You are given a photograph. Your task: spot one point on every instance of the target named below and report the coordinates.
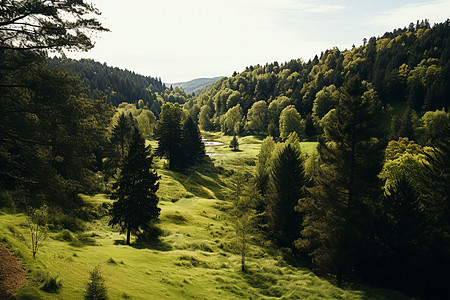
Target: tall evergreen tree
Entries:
(287, 181)
(402, 231)
(437, 206)
(169, 134)
(135, 191)
(193, 146)
(338, 207)
(49, 130)
(119, 144)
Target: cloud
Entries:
(435, 11)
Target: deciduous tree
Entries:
(291, 121)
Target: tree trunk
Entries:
(128, 236)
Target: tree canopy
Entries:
(135, 191)
(56, 25)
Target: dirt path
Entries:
(12, 275)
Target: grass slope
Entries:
(196, 258)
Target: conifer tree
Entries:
(287, 181)
(234, 143)
(96, 288)
(135, 191)
(169, 134)
(338, 207)
(402, 230)
(193, 146)
(119, 144)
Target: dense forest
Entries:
(409, 65)
(368, 203)
(119, 85)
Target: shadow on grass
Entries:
(119, 242)
(152, 245)
(201, 180)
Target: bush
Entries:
(52, 284)
(96, 288)
(59, 220)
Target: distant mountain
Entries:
(195, 84)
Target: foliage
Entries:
(286, 183)
(406, 65)
(193, 146)
(204, 118)
(338, 206)
(264, 164)
(402, 232)
(257, 118)
(435, 123)
(179, 138)
(52, 284)
(96, 288)
(291, 121)
(36, 25)
(49, 130)
(326, 99)
(232, 121)
(135, 190)
(119, 85)
(405, 126)
(168, 133)
(404, 159)
(37, 224)
(234, 143)
(142, 116)
(246, 200)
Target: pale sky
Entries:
(180, 40)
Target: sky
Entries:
(180, 40)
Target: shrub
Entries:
(52, 284)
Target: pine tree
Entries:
(96, 288)
(169, 134)
(119, 144)
(287, 181)
(402, 230)
(234, 143)
(193, 146)
(135, 191)
(338, 207)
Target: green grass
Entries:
(196, 257)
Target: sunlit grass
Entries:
(197, 256)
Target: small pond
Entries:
(208, 142)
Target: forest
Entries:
(324, 179)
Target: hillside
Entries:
(120, 85)
(408, 65)
(197, 256)
(195, 85)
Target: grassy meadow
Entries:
(197, 256)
